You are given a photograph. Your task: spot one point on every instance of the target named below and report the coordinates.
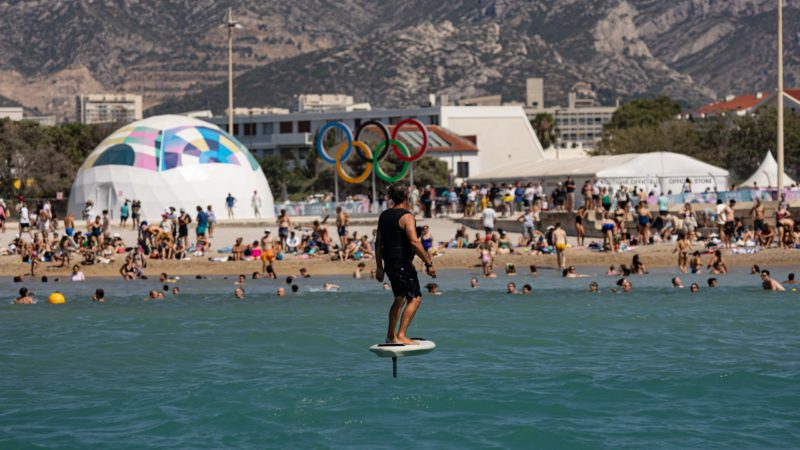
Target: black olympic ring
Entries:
(386, 138)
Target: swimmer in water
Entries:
(511, 270)
(242, 280)
(677, 283)
(176, 291)
(239, 293)
(594, 287)
(281, 292)
(790, 279)
(769, 284)
(295, 289)
(396, 243)
(572, 272)
(511, 288)
(357, 274)
(99, 296)
(625, 284)
(527, 289)
(331, 287)
(387, 287)
(25, 297)
(694, 288)
(433, 289)
(304, 273)
(473, 283)
(712, 282)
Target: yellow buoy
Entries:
(56, 298)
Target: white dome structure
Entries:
(168, 161)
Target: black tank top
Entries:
(395, 247)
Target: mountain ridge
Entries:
(388, 53)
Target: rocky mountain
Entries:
(390, 53)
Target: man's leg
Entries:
(394, 317)
(408, 315)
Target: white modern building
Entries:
(501, 134)
(580, 123)
(11, 112)
(108, 108)
(320, 103)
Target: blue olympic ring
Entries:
(321, 149)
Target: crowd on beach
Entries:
(44, 239)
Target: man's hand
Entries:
(379, 274)
(431, 271)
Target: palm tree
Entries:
(545, 126)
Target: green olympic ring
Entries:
(376, 160)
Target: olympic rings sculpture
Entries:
(371, 157)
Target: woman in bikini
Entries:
(579, 217)
(683, 247)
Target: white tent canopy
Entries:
(766, 175)
(666, 170)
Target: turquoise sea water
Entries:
(658, 368)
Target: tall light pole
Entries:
(780, 98)
(230, 24)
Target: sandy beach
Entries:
(658, 255)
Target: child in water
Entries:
(695, 264)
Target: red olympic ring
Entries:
(424, 147)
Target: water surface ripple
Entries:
(658, 368)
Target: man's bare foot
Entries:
(405, 340)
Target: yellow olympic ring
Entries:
(367, 169)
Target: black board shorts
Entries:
(403, 278)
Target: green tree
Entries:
(545, 126)
(277, 172)
(644, 113)
(737, 144)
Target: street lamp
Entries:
(230, 24)
(780, 98)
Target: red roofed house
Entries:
(791, 100)
(457, 151)
(741, 105)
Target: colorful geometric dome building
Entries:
(168, 161)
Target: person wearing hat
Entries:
(267, 251)
(166, 224)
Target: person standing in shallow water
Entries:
(560, 242)
(395, 246)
